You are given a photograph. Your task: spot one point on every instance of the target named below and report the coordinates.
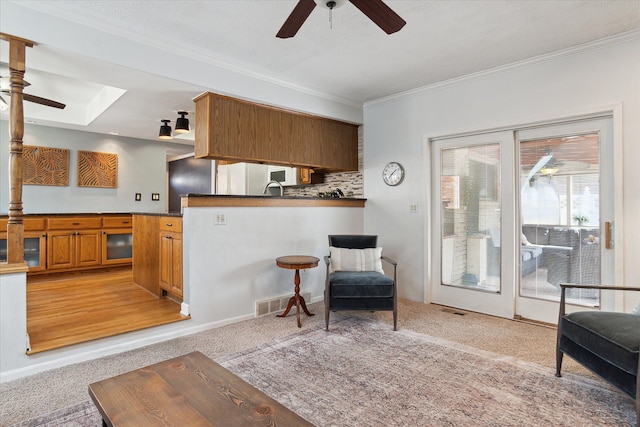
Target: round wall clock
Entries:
(393, 173)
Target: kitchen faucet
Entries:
(266, 187)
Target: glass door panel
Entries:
(472, 229)
(470, 215)
(34, 250)
(117, 246)
(560, 210)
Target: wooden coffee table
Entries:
(190, 390)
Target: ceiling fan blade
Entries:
(297, 17)
(43, 101)
(380, 14)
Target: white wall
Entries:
(594, 78)
(141, 169)
(13, 319)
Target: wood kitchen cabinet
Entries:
(74, 242)
(68, 242)
(237, 130)
(157, 254)
(117, 240)
(35, 243)
(309, 176)
(71, 249)
(171, 255)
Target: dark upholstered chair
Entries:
(364, 287)
(605, 342)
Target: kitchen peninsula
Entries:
(230, 244)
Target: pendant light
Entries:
(182, 123)
(165, 130)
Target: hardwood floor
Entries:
(70, 309)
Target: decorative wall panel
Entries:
(45, 166)
(97, 169)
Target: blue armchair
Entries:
(607, 343)
(355, 279)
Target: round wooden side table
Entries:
(297, 262)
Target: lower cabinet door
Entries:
(171, 262)
(176, 270)
(60, 249)
(88, 248)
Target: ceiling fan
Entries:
(376, 10)
(6, 89)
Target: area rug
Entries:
(362, 373)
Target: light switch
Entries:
(220, 219)
(413, 207)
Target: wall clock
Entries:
(393, 173)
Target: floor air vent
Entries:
(448, 310)
(277, 304)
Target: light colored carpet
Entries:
(364, 374)
(60, 388)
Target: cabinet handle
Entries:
(125, 222)
(169, 237)
(169, 225)
(75, 223)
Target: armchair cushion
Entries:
(343, 259)
(370, 284)
(611, 336)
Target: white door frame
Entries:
(615, 111)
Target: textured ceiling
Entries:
(353, 61)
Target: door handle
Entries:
(608, 241)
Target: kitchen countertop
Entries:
(31, 215)
(212, 200)
(27, 214)
(176, 214)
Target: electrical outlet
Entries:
(220, 219)
(413, 207)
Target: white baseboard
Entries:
(102, 348)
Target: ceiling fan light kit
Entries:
(165, 130)
(376, 10)
(182, 123)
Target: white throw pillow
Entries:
(343, 259)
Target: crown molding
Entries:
(563, 53)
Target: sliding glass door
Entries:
(520, 212)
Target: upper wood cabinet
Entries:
(236, 130)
